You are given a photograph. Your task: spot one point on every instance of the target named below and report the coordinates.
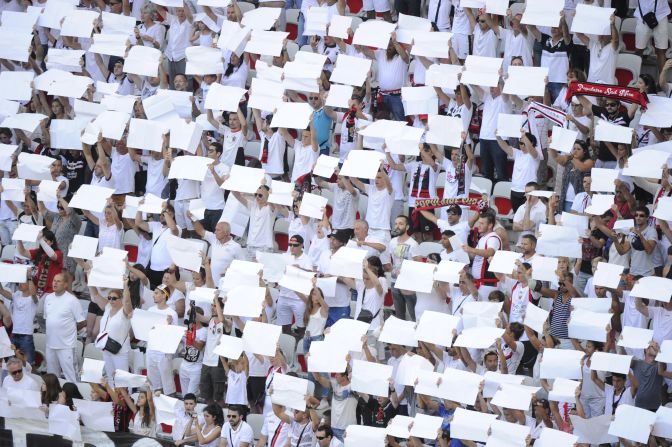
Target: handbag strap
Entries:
(639, 5)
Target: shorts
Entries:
(377, 5)
(460, 45)
(420, 223)
(288, 308)
(643, 35)
(256, 390)
(95, 309)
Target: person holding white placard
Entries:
(233, 136)
(291, 306)
(402, 247)
(641, 243)
(493, 159)
(351, 121)
(603, 54)
(458, 169)
(554, 54)
(649, 378)
(116, 75)
(177, 39)
(422, 175)
(488, 243)
(224, 248)
(63, 316)
(485, 38)
(617, 393)
(211, 193)
(149, 33)
(305, 150)
(272, 146)
(262, 219)
(379, 205)
(345, 202)
(576, 166)
(213, 380)
(343, 401)
(144, 411)
(236, 371)
(531, 213)
(110, 227)
(23, 307)
(517, 40)
(302, 424)
(115, 325)
(160, 365)
(47, 259)
(160, 258)
(525, 164)
(64, 224)
(371, 290)
(339, 305)
(17, 378)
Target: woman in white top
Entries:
(237, 372)
(235, 73)
(314, 317)
(115, 325)
(110, 228)
(150, 33)
(371, 290)
(207, 434)
(144, 421)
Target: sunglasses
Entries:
(112, 298)
(611, 104)
(294, 245)
(17, 372)
(259, 195)
(313, 98)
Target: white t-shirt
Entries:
(156, 181)
(513, 357)
(304, 159)
(62, 313)
(602, 62)
(26, 383)
(260, 233)
(234, 438)
(391, 73)
(117, 327)
(160, 259)
(222, 255)
(342, 296)
(215, 331)
(168, 311)
(211, 194)
(273, 163)
(524, 170)
(232, 141)
(123, 172)
(23, 310)
(399, 252)
(378, 208)
(492, 107)
(537, 215)
(490, 240)
(451, 187)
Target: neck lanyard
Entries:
(614, 402)
(301, 434)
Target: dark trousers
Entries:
(493, 160)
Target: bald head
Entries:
(223, 232)
(59, 284)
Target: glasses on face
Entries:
(231, 416)
(611, 104)
(259, 195)
(16, 373)
(295, 245)
(112, 298)
(313, 98)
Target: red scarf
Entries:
(626, 94)
(430, 204)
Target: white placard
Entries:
(526, 81)
(327, 357)
(437, 328)
(504, 262)
(415, 276)
(481, 71)
(374, 33)
(471, 425)
(371, 378)
(289, 391)
(542, 12)
(604, 361)
(635, 337)
(27, 232)
(607, 275)
(362, 164)
(229, 347)
(606, 131)
(563, 363)
(653, 288)
(509, 125)
(632, 423)
(261, 338)
(398, 332)
(83, 247)
(590, 19)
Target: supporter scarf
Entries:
(626, 94)
(430, 204)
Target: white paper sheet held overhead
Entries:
(592, 19)
(543, 12)
(371, 378)
(652, 287)
(605, 361)
(362, 164)
(373, 33)
(526, 81)
(399, 332)
(481, 71)
(607, 275)
(327, 357)
(632, 423)
(261, 338)
(416, 276)
(563, 363)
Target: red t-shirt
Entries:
(55, 267)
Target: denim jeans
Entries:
(338, 433)
(554, 89)
(307, 341)
(301, 40)
(25, 343)
(493, 161)
(336, 313)
(395, 106)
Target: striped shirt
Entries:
(559, 317)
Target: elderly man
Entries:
(63, 316)
(290, 304)
(160, 231)
(224, 248)
(17, 379)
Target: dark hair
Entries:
(586, 150)
(650, 82)
(405, 217)
(448, 233)
(517, 329)
(146, 415)
(170, 208)
(230, 68)
(532, 138)
(619, 375)
(40, 255)
(599, 346)
(5, 131)
(218, 147)
(490, 217)
(531, 237)
(134, 287)
(497, 295)
(53, 388)
(176, 273)
(578, 74)
(517, 58)
(216, 411)
(240, 409)
(190, 396)
(71, 392)
(643, 209)
(376, 266)
(328, 432)
(533, 184)
(434, 257)
(488, 354)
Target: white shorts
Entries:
(288, 308)
(377, 5)
(461, 45)
(643, 35)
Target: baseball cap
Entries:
(341, 236)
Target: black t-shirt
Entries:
(74, 169)
(589, 251)
(620, 118)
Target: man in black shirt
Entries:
(612, 113)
